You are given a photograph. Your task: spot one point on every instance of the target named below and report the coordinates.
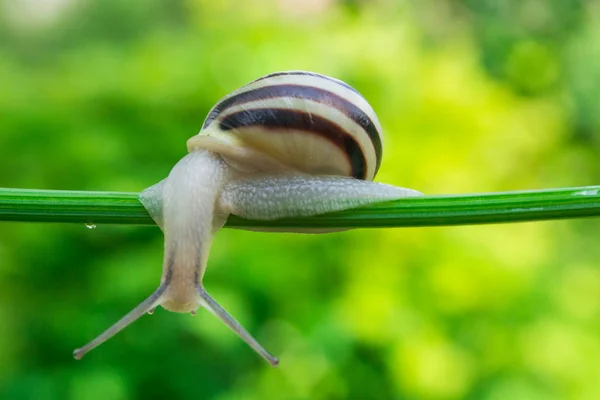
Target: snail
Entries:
(287, 144)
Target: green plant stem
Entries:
(124, 208)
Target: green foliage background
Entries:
(474, 96)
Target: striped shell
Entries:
(305, 121)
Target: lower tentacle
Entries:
(145, 306)
(211, 304)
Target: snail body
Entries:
(288, 144)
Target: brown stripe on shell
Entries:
(277, 119)
(309, 93)
(306, 73)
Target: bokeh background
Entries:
(474, 96)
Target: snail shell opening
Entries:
(295, 121)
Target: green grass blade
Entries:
(28, 205)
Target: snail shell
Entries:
(308, 122)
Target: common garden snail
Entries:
(285, 145)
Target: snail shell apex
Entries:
(301, 121)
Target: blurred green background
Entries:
(473, 95)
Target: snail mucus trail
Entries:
(288, 144)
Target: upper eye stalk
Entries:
(287, 144)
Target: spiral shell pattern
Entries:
(312, 122)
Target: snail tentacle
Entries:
(145, 306)
(206, 301)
